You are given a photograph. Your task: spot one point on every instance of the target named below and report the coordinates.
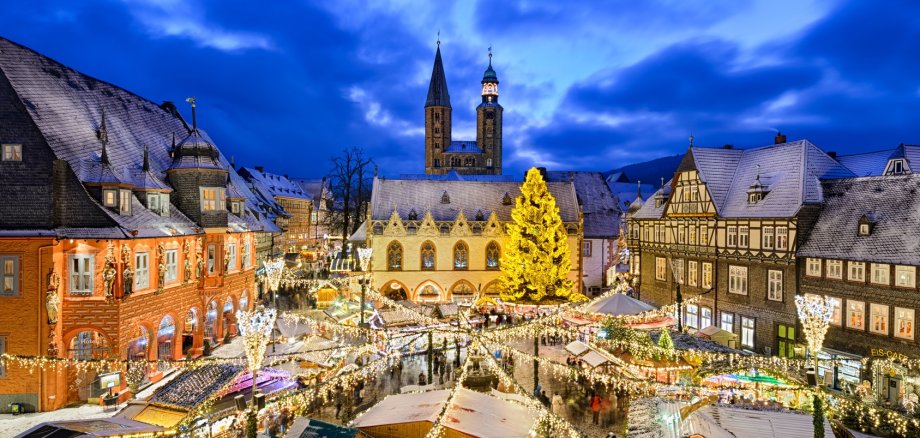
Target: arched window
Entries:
(455, 162)
(88, 345)
(493, 254)
(428, 256)
(461, 256)
(469, 162)
(394, 257)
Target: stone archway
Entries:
(211, 324)
(166, 342)
(86, 344)
(191, 332)
(228, 317)
(395, 291)
(429, 292)
(462, 292)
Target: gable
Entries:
(689, 196)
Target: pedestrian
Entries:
(558, 405)
(544, 398)
(595, 409)
(421, 379)
(605, 412)
(449, 371)
(537, 390)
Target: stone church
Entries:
(482, 156)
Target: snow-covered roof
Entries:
(601, 214)
(618, 305)
(756, 424)
(577, 347)
(594, 359)
(473, 413)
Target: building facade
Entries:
(123, 232)
(862, 255)
(444, 154)
(441, 241)
(726, 229)
(296, 205)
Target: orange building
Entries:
(124, 233)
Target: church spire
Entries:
(437, 88)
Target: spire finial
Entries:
(490, 55)
(146, 166)
(233, 162)
(662, 182)
(192, 101)
(691, 138)
(639, 188)
(104, 159)
(758, 172)
(439, 38)
(103, 132)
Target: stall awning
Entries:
(594, 359)
(577, 348)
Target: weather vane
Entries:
(439, 37)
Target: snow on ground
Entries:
(758, 424)
(12, 425)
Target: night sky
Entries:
(585, 85)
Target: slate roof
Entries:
(463, 147)
(468, 196)
(874, 163)
(437, 88)
(277, 185)
(315, 189)
(452, 175)
(598, 203)
(67, 108)
(648, 209)
(626, 192)
(894, 201)
(791, 171)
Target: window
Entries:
(2, 351)
(12, 152)
(692, 273)
(737, 280)
(747, 331)
(586, 248)
(878, 314)
(782, 238)
(704, 235)
(677, 265)
(693, 234)
(212, 199)
(774, 285)
(153, 202)
(235, 207)
(212, 257)
(904, 323)
(857, 271)
(110, 198)
(707, 276)
(693, 316)
(247, 254)
(427, 256)
(81, 274)
(728, 322)
(904, 276)
(863, 229)
(705, 317)
(769, 238)
(744, 234)
(394, 257)
(661, 269)
(813, 267)
(856, 314)
(836, 310)
(786, 339)
(141, 271)
(835, 269)
(634, 264)
(732, 240)
(493, 255)
(9, 270)
(231, 256)
(461, 256)
(172, 265)
(681, 234)
(880, 274)
(124, 205)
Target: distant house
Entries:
(297, 206)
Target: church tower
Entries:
(437, 119)
(489, 122)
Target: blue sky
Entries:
(585, 85)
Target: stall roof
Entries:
(594, 359)
(618, 305)
(577, 348)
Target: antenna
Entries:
(192, 101)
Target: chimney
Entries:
(780, 138)
(260, 169)
(728, 146)
(542, 172)
(832, 154)
(286, 176)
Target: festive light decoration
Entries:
(364, 258)
(815, 314)
(256, 328)
(535, 263)
(273, 272)
(437, 427)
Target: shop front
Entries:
(838, 370)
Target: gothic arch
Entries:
(462, 289)
(394, 256)
(461, 256)
(428, 290)
(493, 255)
(428, 256)
(72, 333)
(167, 330)
(492, 288)
(401, 292)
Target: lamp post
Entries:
(273, 273)
(678, 273)
(256, 328)
(364, 257)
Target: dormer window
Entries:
(413, 215)
(124, 204)
(866, 225)
(754, 198)
(213, 198)
(897, 166)
(445, 198)
(110, 198)
(506, 200)
(12, 152)
(158, 203)
(236, 207)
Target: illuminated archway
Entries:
(429, 292)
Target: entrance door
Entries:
(785, 336)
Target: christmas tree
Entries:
(535, 264)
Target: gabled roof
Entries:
(467, 196)
(894, 204)
(649, 209)
(452, 175)
(67, 107)
(598, 204)
(277, 185)
(437, 88)
(874, 163)
(463, 147)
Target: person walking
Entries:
(421, 379)
(595, 409)
(558, 405)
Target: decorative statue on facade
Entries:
(127, 274)
(52, 302)
(109, 272)
(226, 261)
(161, 267)
(186, 250)
(200, 267)
(52, 345)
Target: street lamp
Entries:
(256, 327)
(364, 257)
(678, 273)
(815, 314)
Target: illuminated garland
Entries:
(402, 310)
(437, 427)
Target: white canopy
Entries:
(577, 348)
(473, 413)
(618, 305)
(594, 359)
